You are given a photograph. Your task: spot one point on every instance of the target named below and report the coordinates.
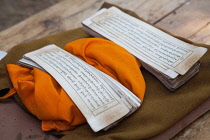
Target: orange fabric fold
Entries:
(112, 59)
(45, 98)
(9, 94)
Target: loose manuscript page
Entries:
(149, 44)
(98, 102)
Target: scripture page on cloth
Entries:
(99, 102)
(149, 44)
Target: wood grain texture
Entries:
(14, 11)
(203, 36)
(60, 17)
(198, 130)
(188, 19)
(68, 14)
(150, 10)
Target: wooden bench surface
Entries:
(185, 18)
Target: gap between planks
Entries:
(66, 15)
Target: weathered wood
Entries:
(203, 36)
(199, 129)
(187, 20)
(150, 10)
(69, 13)
(59, 17)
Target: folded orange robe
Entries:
(46, 99)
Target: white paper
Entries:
(2, 54)
(149, 44)
(95, 98)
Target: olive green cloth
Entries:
(160, 109)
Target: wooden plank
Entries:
(198, 130)
(203, 36)
(14, 11)
(69, 13)
(150, 10)
(188, 19)
(58, 18)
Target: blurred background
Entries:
(14, 11)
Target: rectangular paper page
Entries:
(130, 99)
(2, 54)
(93, 96)
(149, 44)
